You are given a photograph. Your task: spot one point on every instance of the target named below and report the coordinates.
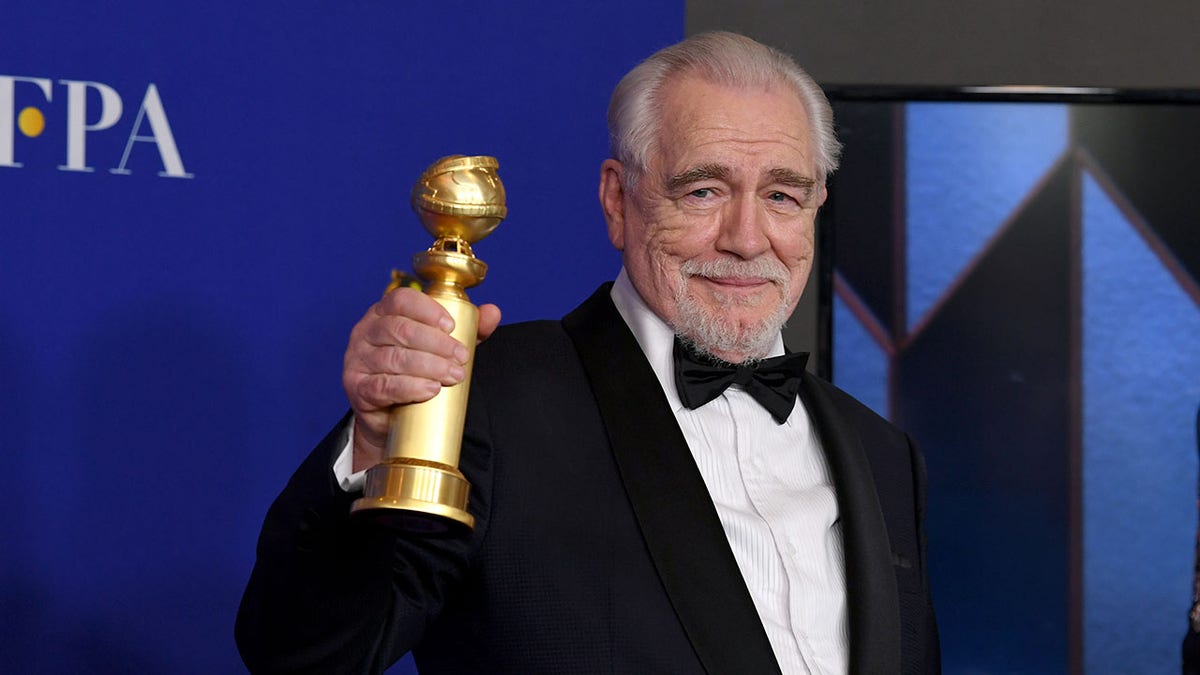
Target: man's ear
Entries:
(612, 200)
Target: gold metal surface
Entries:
(418, 486)
(460, 197)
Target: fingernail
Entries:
(446, 323)
(458, 373)
(460, 353)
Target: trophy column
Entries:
(418, 487)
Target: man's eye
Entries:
(780, 197)
(702, 193)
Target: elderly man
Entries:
(648, 495)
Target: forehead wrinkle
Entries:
(710, 171)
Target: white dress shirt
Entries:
(773, 494)
(775, 498)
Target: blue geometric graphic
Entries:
(1082, 207)
(968, 166)
(862, 366)
(1141, 387)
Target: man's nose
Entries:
(743, 229)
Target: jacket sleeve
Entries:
(932, 653)
(334, 592)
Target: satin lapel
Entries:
(871, 597)
(678, 520)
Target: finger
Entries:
(395, 360)
(374, 423)
(489, 318)
(372, 427)
(399, 331)
(376, 393)
(414, 305)
(370, 439)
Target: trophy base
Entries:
(414, 495)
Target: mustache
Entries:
(762, 267)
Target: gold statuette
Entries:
(418, 487)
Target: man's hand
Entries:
(401, 352)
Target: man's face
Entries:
(717, 236)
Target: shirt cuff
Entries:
(343, 466)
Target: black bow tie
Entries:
(773, 382)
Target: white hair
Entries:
(722, 58)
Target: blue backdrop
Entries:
(170, 345)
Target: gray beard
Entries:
(708, 332)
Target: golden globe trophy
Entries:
(418, 487)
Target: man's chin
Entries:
(740, 314)
(733, 337)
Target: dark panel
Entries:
(864, 240)
(985, 390)
(939, 42)
(1151, 153)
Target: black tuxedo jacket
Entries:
(597, 548)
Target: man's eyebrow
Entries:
(697, 174)
(791, 178)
